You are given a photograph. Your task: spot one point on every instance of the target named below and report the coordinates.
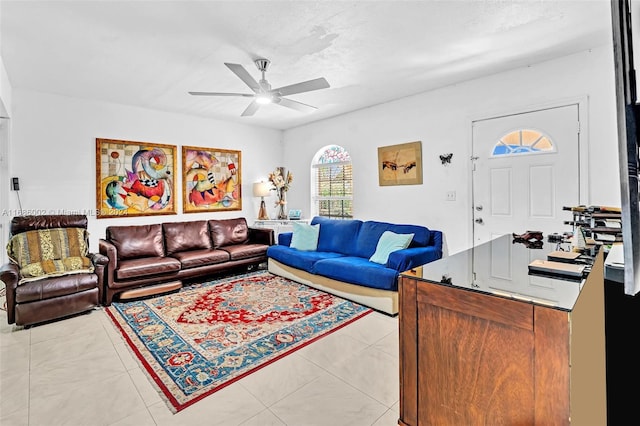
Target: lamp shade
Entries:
(260, 189)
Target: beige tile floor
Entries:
(78, 371)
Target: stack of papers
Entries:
(563, 256)
(556, 268)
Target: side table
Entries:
(278, 225)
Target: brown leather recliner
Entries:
(55, 288)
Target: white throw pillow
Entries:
(390, 242)
(305, 237)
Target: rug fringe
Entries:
(134, 353)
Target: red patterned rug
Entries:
(206, 336)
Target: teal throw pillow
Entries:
(389, 242)
(305, 237)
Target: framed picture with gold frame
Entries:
(400, 164)
(135, 178)
(211, 179)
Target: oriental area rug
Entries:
(206, 336)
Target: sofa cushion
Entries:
(389, 242)
(225, 232)
(195, 258)
(371, 231)
(337, 235)
(356, 270)
(305, 237)
(137, 241)
(51, 252)
(245, 251)
(184, 236)
(298, 259)
(142, 267)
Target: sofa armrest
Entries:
(10, 275)
(437, 240)
(108, 250)
(261, 236)
(403, 260)
(284, 239)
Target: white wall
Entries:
(5, 86)
(5, 111)
(441, 119)
(5, 92)
(53, 145)
(53, 153)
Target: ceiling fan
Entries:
(264, 94)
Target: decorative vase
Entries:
(282, 202)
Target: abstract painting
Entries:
(134, 178)
(211, 179)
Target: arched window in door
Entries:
(332, 183)
(523, 141)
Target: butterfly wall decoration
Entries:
(446, 158)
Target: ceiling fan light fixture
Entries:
(264, 98)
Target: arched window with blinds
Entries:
(332, 185)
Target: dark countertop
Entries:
(502, 269)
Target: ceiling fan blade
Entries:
(305, 86)
(299, 106)
(251, 109)
(244, 75)
(246, 95)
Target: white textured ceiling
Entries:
(151, 53)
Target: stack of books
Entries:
(566, 264)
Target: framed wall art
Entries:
(134, 178)
(211, 179)
(400, 164)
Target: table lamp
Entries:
(261, 189)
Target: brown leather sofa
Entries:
(53, 294)
(148, 259)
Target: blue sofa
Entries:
(340, 264)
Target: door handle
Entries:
(479, 221)
(479, 208)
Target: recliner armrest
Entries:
(99, 259)
(100, 262)
(10, 275)
(107, 249)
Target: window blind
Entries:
(334, 191)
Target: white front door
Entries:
(518, 188)
(520, 191)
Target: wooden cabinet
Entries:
(470, 357)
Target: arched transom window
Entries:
(523, 141)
